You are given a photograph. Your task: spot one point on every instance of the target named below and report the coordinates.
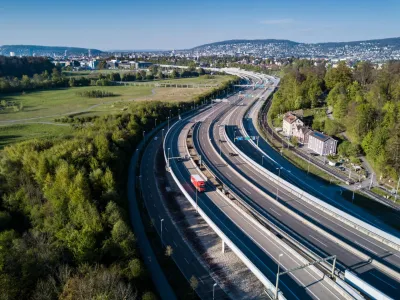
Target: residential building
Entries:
(302, 134)
(322, 144)
(290, 122)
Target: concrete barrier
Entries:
(344, 217)
(276, 180)
(220, 233)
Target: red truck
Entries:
(198, 182)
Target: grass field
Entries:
(21, 132)
(45, 106)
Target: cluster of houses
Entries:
(318, 142)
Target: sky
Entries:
(177, 24)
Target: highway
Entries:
(322, 244)
(253, 241)
(183, 255)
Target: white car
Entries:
(156, 138)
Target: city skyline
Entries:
(181, 25)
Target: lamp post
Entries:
(170, 113)
(179, 113)
(277, 186)
(168, 158)
(144, 136)
(197, 205)
(277, 276)
(262, 160)
(155, 122)
(162, 132)
(214, 285)
(162, 242)
(168, 123)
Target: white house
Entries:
(290, 123)
(322, 144)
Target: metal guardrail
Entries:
(220, 233)
(271, 225)
(351, 221)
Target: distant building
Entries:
(322, 144)
(93, 64)
(143, 65)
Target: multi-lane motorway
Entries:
(254, 242)
(249, 183)
(371, 260)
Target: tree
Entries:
(194, 283)
(339, 75)
(149, 296)
(169, 251)
(174, 74)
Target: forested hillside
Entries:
(64, 228)
(365, 102)
(18, 66)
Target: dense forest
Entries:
(18, 66)
(64, 226)
(365, 102)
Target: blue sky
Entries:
(176, 24)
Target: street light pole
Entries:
(277, 277)
(262, 160)
(162, 132)
(214, 290)
(197, 205)
(155, 122)
(168, 158)
(277, 186)
(144, 136)
(168, 123)
(162, 242)
(370, 184)
(397, 188)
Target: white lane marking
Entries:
(229, 175)
(317, 240)
(246, 190)
(362, 246)
(175, 244)
(275, 211)
(166, 229)
(384, 281)
(186, 261)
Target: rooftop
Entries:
(320, 136)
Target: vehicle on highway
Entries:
(198, 182)
(155, 138)
(233, 154)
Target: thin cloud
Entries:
(277, 21)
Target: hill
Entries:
(378, 49)
(29, 50)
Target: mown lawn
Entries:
(21, 132)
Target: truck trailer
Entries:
(198, 182)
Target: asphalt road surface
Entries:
(320, 242)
